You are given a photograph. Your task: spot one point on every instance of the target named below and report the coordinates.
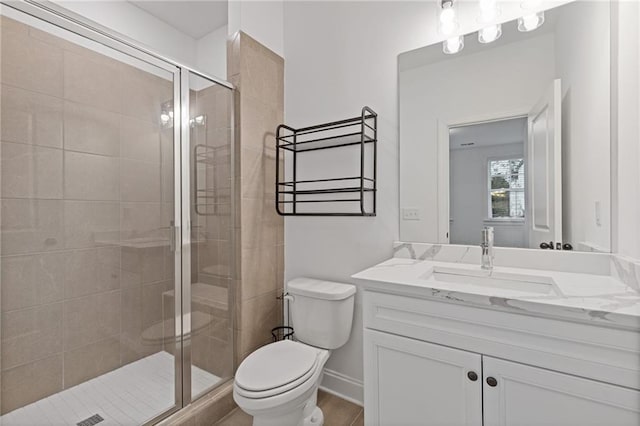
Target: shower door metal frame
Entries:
(56, 15)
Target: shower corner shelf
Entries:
(354, 192)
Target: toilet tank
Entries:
(321, 311)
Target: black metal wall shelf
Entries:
(357, 190)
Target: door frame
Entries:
(180, 231)
(444, 126)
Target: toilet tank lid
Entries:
(320, 289)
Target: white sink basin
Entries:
(496, 279)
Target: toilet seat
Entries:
(276, 368)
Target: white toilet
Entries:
(278, 383)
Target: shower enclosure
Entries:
(116, 226)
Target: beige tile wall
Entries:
(85, 168)
(258, 74)
(86, 171)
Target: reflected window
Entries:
(506, 188)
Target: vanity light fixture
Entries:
(453, 45)
(489, 11)
(530, 21)
(448, 19)
(490, 33)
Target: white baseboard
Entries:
(343, 386)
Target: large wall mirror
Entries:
(513, 134)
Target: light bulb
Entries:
(453, 45)
(448, 14)
(490, 33)
(448, 19)
(530, 22)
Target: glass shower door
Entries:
(208, 347)
(90, 278)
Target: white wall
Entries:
(586, 159)
(335, 64)
(447, 92)
(263, 20)
(211, 53)
(341, 56)
(627, 118)
(469, 196)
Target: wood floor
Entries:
(337, 412)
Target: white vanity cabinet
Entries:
(428, 362)
(409, 382)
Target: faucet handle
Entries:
(487, 235)
(487, 248)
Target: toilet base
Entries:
(316, 418)
(305, 414)
(289, 418)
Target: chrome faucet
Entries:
(487, 248)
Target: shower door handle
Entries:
(174, 232)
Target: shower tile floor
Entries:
(130, 395)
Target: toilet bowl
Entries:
(278, 383)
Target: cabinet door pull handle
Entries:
(472, 375)
(491, 381)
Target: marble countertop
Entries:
(592, 298)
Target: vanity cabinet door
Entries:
(409, 382)
(520, 395)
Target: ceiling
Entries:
(194, 18)
(488, 134)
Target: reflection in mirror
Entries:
(512, 134)
(487, 181)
